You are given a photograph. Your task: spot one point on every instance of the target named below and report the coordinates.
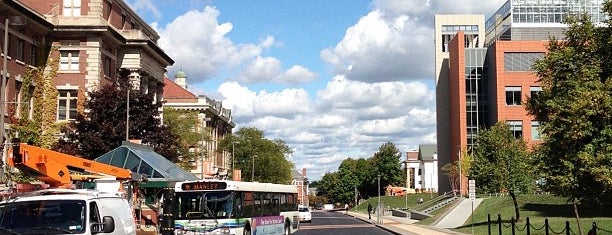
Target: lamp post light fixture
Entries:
(13, 20)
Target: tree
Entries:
(181, 123)
(501, 163)
(575, 112)
(451, 169)
(267, 157)
(104, 127)
(386, 164)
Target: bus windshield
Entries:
(205, 205)
(49, 217)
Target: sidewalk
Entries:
(399, 225)
(458, 215)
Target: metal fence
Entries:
(529, 228)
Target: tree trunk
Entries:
(517, 214)
(577, 216)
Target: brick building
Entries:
(488, 84)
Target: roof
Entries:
(174, 91)
(63, 194)
(427, 151)
(296, 175)
(143, 160)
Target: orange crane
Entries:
(54, 167)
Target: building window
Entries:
(69, 60)
(72, 8)
(534, 90)
(535, 130)
(520, 61)
(513, 95)
(107, 67)
(20, 49)
(67, 105)
(516, 127)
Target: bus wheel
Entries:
(247, 230)
(287, 228)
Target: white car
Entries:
(304, 214)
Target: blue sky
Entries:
(333, 79)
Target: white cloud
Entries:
(380, 49)
(375, 94)
(206, 49)
(269, 69)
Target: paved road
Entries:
(337, 224)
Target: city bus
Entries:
(232, 207)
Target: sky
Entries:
(333, 79)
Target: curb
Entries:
(381, 226)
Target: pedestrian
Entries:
(369, 210)
(420, 200)
(346, 208)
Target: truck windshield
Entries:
(205, 205)
(48, 217)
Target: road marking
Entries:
(336, 226)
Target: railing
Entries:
(435, 201)
(528, 227)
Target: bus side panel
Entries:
(268, 225)
(208, 226)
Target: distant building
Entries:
(422, 168)
(300, 180)
(213, 118)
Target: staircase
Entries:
(424, 210)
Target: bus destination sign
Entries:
(204, 186)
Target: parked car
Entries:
(304, 214)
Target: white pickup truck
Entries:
(67, 211)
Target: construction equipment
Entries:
(54, 168)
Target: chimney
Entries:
(304, 172)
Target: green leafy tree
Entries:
(267, 157)
(575, 113)
(451, 169)
(501, 163)
(181, 123)
(386, 164)
(327, 186)
(104, 127)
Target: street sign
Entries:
(472, 190)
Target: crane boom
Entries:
(54, 167)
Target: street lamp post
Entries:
(378, 207)
(16, 20)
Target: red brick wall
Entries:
(525, 80)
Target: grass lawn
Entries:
(538, 208)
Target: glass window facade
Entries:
(520, 61)
(470, 35)
(476, 89)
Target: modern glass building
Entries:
(538, 19)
